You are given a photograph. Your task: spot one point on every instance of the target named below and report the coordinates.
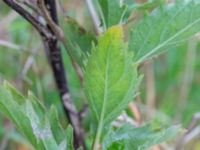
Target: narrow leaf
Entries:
(39, 126)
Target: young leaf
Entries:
(164, 27)
(129, 138)
(39, 126)
(113, 12)
(78, 40)
(110, 78)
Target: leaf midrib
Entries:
(103, 108)
(167, 41)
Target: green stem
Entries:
(101, 120)
(98, 136)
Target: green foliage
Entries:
(129, 138)
(112, 12)
(108, 87)
(149, 5)
(79, 41)
(165, 27)
(116, 12)
(110, 74)
(170, 79)
(39, 126)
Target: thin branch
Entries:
(187, 136)
(52, 48)
(95, 18)
(136, 113)
(60, 35)
(31, 5)
(59, 74)
(52, 25)
(39, 26)
(124, 119)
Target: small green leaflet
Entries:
(128, 137)
(78, 40)
(117, 12)
(167, 26)
(110, 78)
(113, 12)
(38, 125)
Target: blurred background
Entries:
(170, 91)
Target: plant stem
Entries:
(53, 51)
(98, 136)
(59, 74)
(101, 120)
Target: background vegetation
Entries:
(169, 92)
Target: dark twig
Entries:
(52, 48)
(51, 19)
(32, 6)
(52, 23)
(59, 73)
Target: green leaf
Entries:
(165, 27)
(56, 127)
(110, 78)
(149, 5)
(79, 41)
(69, 134)
(14, 110)
(38, 125)
(129, 138)
(116, 12)
(112, 12)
